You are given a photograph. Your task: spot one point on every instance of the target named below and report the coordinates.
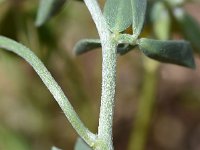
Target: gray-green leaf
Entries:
(190, 27)
(176, 52)
(138, 13)
(87, 45)
(48, 8)
(124, 48)
(81, 145)
(118, 14)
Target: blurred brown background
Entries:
(31, 119)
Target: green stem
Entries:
(145, 107)
(52, 85)
(109, 56)
(107, 97)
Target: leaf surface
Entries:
(87, 45)
(118, 14)
(138, 15)
(175, 52)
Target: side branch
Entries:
(51, 84)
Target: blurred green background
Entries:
(31, 120)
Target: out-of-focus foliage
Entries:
(161, 21)
(47, 9)
(55, 148)
(168, 16)
(10, 140)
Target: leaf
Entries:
(175, 52)
(138, 14)
(161, 21)
(47, 9)
(55, 148)
(81, 145)
(118, 14)
(190, 27)
(87, 45)
(124, 48)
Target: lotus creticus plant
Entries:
(111, 23)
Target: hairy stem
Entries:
(51, 84)
(107, 97)
(99, 20)
(109, 56)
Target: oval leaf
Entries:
(47, 9)
(81, 145)
(189, 26)
(118, 14)
(138, 13)
(175, 52)
(124, 48)
(86, 45)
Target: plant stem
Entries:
(109, 56)
(52, 85)
(107, 97)
(99, 20)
